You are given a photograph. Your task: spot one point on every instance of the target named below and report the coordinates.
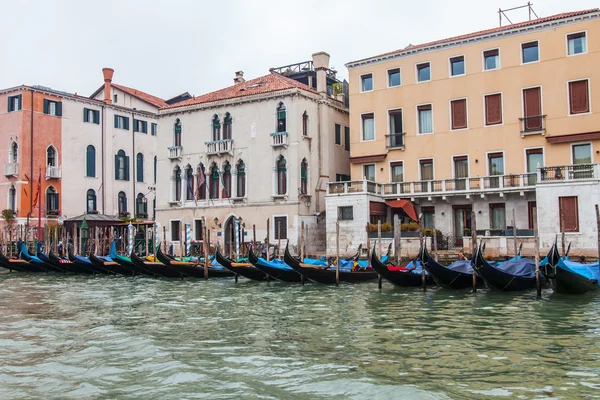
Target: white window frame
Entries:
(468, 165)
(523, 105)
(539, 51)
(419, 167)
(390, 170)
(387, 76)
(485, 125)
(171, 230)
(388, 118)
(363, 171)
(569, 97)
(418, 130)
(55, 155)
(52, 108)
(487, 162)
(567, 43)
(483, 60)
(360, 82)
(16, 205)
(535, 148)
(417, 72)
(362, 139)
(450, 113)
(450, 65)
(579, 144)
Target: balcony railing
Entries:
(53, 172)
(52, 213)
(219, 146)
(395, 140)
(11, 169)
(533, 125)
(279, 139)
(175, 152)
(569, 172)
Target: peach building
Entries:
(484, 124)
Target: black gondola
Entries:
(498, 279)
(326, 275)
(18, 265)
(46, 259)
(458, 275)
(401, 277)
(67, 264)
(111, 266)
(155, 268)
(191, 269)
(85, 263)
(567, 276)
(246, 270)
(281, 274)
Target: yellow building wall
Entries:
(552, 73)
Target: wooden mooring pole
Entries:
(434, 238)
(537, 265)
(379, 281)
(514, 224)
(423, 277)
(337, 251)
(474, 247)
(206, 251)
(268, 238)
(397, 239)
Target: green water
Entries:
(107, 337)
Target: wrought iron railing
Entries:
(533, 124)
(395, 140)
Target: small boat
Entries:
(35, 261)
(327, 275)
(155, 268)
(409, 276)
(192, 269)
(67, 264)
(570, 277)
(47, 261)
(18, 265)
(458, 275)
(513, 275)
(246, 270)
(276, 269)
(109, 264)
(85, 263)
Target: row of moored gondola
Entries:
(516, 274)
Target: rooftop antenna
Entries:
(502, 12)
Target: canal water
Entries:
(107, 337)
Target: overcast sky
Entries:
(168, 47)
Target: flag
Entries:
(190, 185)
(37, 191)
(224, 191)
(201, 181)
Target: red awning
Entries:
(577, 137)
(406, 205)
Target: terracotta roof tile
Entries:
(148, 98)
(482, 33)
(272, 82)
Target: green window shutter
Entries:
(126, 168)
(126, 123)
(135, 125)
(303, 174)
(45, 106)
(116, 166)
(281, 115)
(10, 104)
(116, 121)
(97, 117)
(145, 126)
(20, 101)
(85, 115)
(59, 109)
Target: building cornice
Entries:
(468, 40)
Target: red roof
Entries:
(483, 33)
(273, 82)
(148, 98)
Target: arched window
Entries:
(141, 206)
(227, 180)
(241, 179)
(14, 152)
(304, 177)
(177, 133)
(201, 182)
(51, 160)
(51, 201)
(216, 128)
(177, 176)
(305, 124)
(121, 166)
(281, 176)
(90, 161)
(155, 162)
(139, 167)
(227, 133)
(122, 203)
(189, 183)
(12, 198)
(281, 118)
(90, 201)
(214, 182)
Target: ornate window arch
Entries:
(90, 201)
(139, 167)
(51, 156)
(241, 179)
(226, 176)
(281, 169)
(305, 124)
(90, 161)
(214, 182)
(216, 128)
(177, 133)
(304, 177)
(122, 203)
(14, 152)
(201, 185)
(281, 118)
(189, 183)
(227, 128)
(177, 182)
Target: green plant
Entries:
(385, 227)
(337, 88)
(429, 231)
(8, 215)
(410, 227)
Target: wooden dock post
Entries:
(514, 224)
(422, 243)
(598, 229)
(206, 251)
(301, 244)
(337, 251)
(434, 238)
(537, 265)
(379, 281)
(397, 238)
(368, 242)
(268, 238)
(279, 241)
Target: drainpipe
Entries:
(31, 162)
(319, 156)
(103, 130)
(133, 161)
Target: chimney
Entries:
(321, 64)
(239, 77)
(108, 75)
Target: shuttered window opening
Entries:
(121, 122)
(346, 138)
(579, 102)
(198, 230)
(532, 109)
(459, 113)
(91, 116)
(280, 225)
(368, 125)
(493, 109)
(15, 103)
(397, 171)
(175, 231)
(568, 214)
(338, 134)
(346, 213)
(52, 107)
(426, 169)
(491, 59)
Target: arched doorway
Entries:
(229, 239)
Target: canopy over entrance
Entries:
(405, 205)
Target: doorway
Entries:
(229, 239)
(462, 222)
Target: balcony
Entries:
(218, 147)
(279, 139)
(53, 172)
(395, 141)
(569, 173)
(52, 213)
(535, 125)
(175, 152)
(11, 169)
